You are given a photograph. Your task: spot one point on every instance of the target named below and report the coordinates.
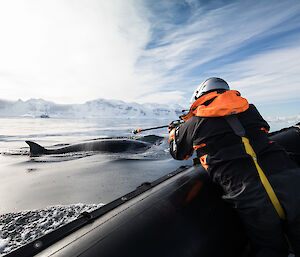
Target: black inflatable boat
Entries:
(180, 214)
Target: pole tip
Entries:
(136, 131)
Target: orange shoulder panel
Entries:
(227, 103)
(197, 103)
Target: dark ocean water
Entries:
(54, 189)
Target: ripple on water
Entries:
(20, 228)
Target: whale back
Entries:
(36, 149)
(120, 145)
(106, 145)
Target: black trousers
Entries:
(266, 231)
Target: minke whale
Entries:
(103, 145)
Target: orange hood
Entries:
(227, 103)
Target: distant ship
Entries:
(45, 116)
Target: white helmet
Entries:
(208, 85)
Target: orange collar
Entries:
(227, 103)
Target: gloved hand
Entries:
(171, 129)
(173, 125)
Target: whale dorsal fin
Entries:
(35, 148)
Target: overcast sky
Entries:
(72, 51)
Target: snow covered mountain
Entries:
(100, 108)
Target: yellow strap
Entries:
(264, 180)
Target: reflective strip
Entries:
(264, 180)
(196, 147)
(203, 161)
(186, 157)
(265, 130)
(172, 135)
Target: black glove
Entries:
(173, 125)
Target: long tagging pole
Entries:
(141, 130)
(173, 123)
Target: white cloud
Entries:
(215, 34)
(268, 77)
(74, 50)
(163, 97)
(70, 50)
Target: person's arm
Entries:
(264, 125)
(181, 141)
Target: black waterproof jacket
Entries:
(221, 151)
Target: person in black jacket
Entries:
(257, 176)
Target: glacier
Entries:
(99, 108)
(106, 108)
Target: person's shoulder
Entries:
(252, 107)
(194, 121)
(252, 110)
